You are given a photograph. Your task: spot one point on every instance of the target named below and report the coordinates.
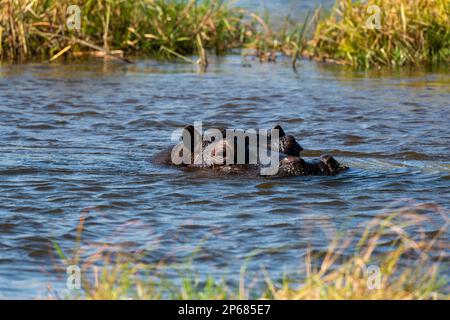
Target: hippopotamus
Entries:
(220, 155)
(286, 143)
(296, 166)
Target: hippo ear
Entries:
(192, 132)
(280, 130)
(190, 129)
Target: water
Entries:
(277, 10)
(78, 139)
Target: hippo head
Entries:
(206, 152)
(288, 144)
(215, 152)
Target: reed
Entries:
(410, 270)
(38, 28)
(412, 32)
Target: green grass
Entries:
(408, 270)
(412, 33)
(37, 28)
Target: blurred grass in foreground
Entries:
(414, 269)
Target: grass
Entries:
(409, 270)
(411, 33)
(38, 28)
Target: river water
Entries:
(77, 141)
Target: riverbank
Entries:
(385, 33)
(369, 272)
(410, 32)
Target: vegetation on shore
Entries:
(31, 28)
(408, 33)
(411, 269)
(412, 32)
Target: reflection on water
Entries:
(80, 137)
(278, 9)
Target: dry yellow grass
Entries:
(410, 269)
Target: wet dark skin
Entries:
(290, 165)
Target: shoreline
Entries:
(186, 29)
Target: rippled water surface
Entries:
(78, 139)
